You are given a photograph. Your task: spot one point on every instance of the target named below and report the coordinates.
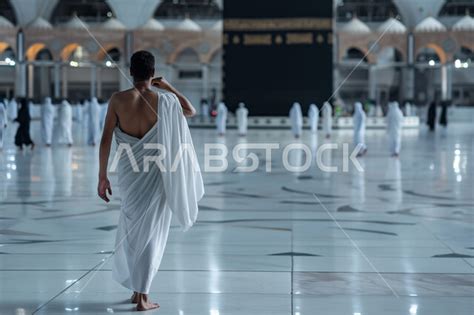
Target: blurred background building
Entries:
(405, 50)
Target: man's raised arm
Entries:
(188, 109)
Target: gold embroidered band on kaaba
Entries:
(278, 24)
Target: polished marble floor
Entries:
(395, 239)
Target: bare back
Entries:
(136, 111)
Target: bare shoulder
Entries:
(119, 97)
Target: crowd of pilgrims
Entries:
(91, 113)
(394, 117)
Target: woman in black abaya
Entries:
(22, 136)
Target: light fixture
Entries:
(108, 63)
(457, 63)
(73, 63)
(10, 61)
(431, 62)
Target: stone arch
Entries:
(180, 50)
(33, 50)
(215, 51)
(399, 56)
(362, 46)
(353, 51)
(69, 49)
(443, 58)
(4, 46)
(109, 50)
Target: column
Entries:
(64, 81)
(31, 80)
(446, 82)
(99, 82)
(93, 80)
(372, 83)
(45, 81)
(170, 69)
(205, 81)
(408, 73)
(124, 64)
(20, 69)
(57, 80)
(408, 82)
(125, 80)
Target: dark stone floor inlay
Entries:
(452, 255)
(107, 228)
(295, 254)
(371, 231)
(347, 208)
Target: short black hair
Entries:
(142, 65)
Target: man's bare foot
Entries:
(134, 298)
(143, 303)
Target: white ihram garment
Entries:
(327, 119)
(242, 119)
(313, 115)
(149, 199)
(47, 120)
(394, 127)
(65, 123)
(296, 119)
(359, 119)
(221, 118)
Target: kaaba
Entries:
(277, 53)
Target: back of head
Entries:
(142, 66)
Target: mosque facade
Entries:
(417, 51)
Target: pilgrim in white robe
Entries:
(394, 128)
(408, 111)
(327, 119)
(65, 123)
(3, 123)
(242, 114)
(85, 113)
(77, 113)
(359, 120)
(204, 110)
(378, 111)
(221, 118)
(296, 120)
(153, 192)
(47, 121)
(93, 121)
(12, 110)
(313, 116)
